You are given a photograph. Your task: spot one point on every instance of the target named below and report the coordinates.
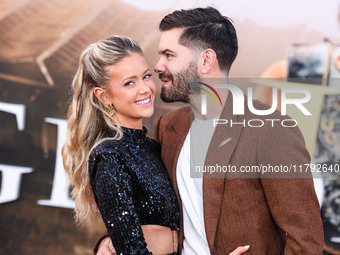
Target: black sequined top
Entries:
(132, 188)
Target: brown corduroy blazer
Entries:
(272, 215)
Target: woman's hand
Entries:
(106, 247)
(240, 250)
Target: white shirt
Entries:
(193, 153)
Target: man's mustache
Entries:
(165, 76)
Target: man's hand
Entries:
(106, 247)
(240, 250)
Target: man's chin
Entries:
(166, 98)
(166, 95)
(171, 99)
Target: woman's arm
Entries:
(112, 187)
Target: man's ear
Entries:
(101, 94)
(206, 60)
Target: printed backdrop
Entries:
(40, 42)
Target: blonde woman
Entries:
(113, 167)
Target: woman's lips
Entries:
(144, 102)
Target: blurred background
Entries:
(40, 42)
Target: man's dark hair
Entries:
(205, 28)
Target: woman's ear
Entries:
(101, 94)
(207, 60)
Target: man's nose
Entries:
(159, 67)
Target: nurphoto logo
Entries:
(238, 100)
(295, 97)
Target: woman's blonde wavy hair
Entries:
(87, 121)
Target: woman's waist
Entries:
(160, 239)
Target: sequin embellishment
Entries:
(132, 188)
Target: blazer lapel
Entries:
(173, 142)
(220, 150)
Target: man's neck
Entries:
(214, 101)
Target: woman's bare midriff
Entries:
(160, 240)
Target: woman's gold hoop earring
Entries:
(109, 110)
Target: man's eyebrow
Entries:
(166, 51)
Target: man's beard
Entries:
(181, 84)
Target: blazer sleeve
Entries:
(112, 187)
(291, 196)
